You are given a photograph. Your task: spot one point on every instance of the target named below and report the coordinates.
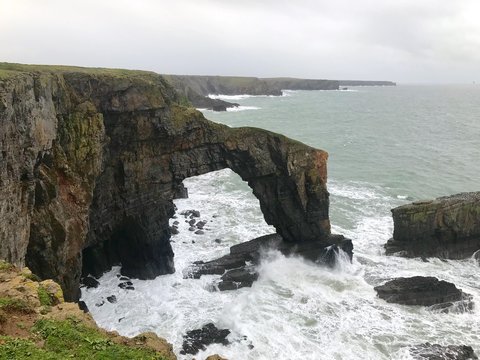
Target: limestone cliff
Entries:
(447, 227)
(92, 158)
(195, 88)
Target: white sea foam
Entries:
(243, 108)
(237, 97)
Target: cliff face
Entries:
(448, 227)
(92, 158)
(197, 88)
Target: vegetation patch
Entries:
(14, 305)
(44, 297)
(70, 338)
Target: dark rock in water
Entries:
(419, 290)
(250, 252)
(191, 228)
(218, 241)
(199, 232)
(199, 339)
(192, 213)
(237, 278)
(458, 307)
(447, 227)
(429, 351)
(192, 222)
(90, 282)
(126, 285)
(174, 230)
(112, 299)
(201, 224)
(100, 303)
(476, 256)
(176, 222)
(214, 267)
(129, 288)
(83, 306)
(124, 278)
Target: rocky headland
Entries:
(195, 88)
(92, 158)
(447, 227)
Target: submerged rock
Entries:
(429, 351)
(420, 290)
(196, 340)
(447, 227)
(112, 299)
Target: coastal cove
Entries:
(425, 146)
(205, 232)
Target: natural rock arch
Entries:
(101, 155)
(287, 177)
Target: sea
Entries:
(387, 146)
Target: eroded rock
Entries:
(447, 227)
(64, 216)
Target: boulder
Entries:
(419, 290)
(198, 339)
(447, 227)
(90, 282)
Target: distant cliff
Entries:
(366, 83)
(195, 89)
(90, 160)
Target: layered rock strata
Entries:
(447, 227)
(92, 158)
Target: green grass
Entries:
(9, 304)
(8, 69)
(44, 296)
(67, 339)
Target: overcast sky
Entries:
(400, 40)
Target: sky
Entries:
(409, 41)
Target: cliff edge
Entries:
(91, 159)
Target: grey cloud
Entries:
(403, 40)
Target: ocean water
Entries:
(387, 146)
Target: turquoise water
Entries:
(388, 146)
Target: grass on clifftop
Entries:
(9, 69)
(59, 340)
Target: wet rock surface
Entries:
(447, 227)
(420, 290)
(199, 339)
(237, 267)
(429, 351)
(90, 282)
